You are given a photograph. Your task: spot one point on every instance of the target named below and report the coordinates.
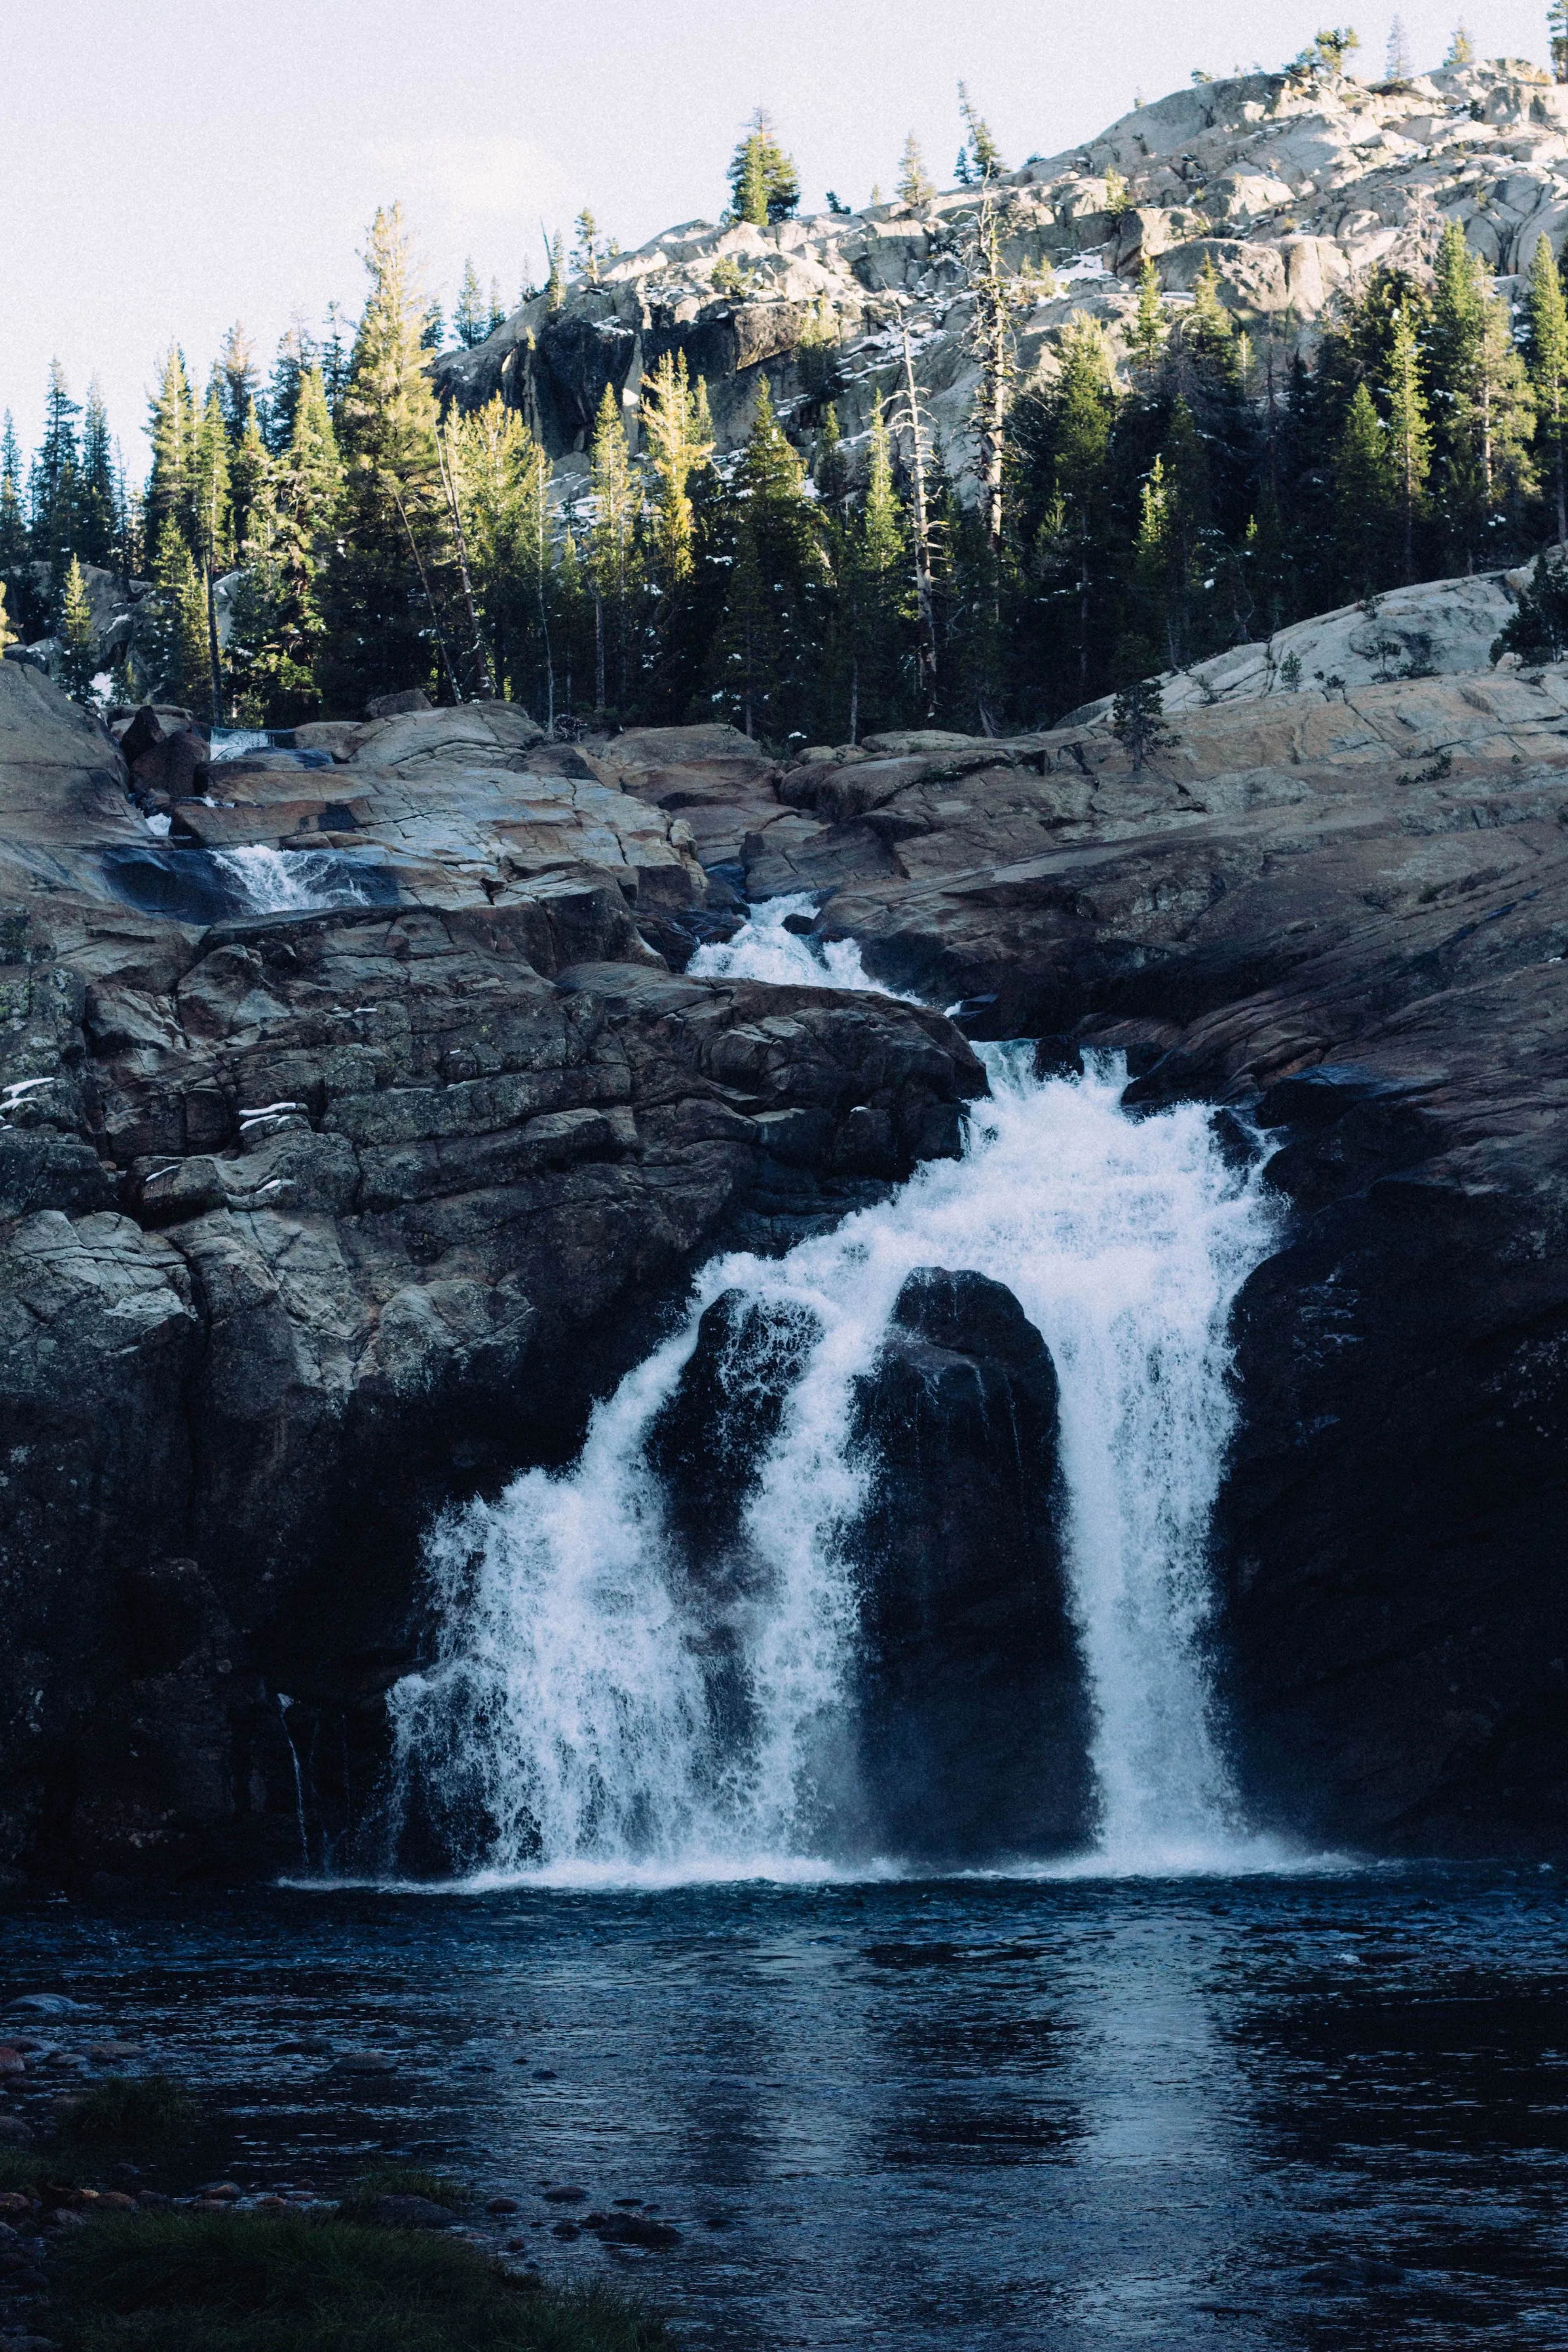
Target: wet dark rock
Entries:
(565, 2196)
(411, 2214)
(636, 2230)
(707, 1442)
(502, 2205)
(566, 2230)
(975, 1722)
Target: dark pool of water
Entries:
(1062, 2117)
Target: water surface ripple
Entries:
(1055, 2116)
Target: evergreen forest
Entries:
(1123, 514)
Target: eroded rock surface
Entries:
(308, 1219)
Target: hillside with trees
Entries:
(970, 460)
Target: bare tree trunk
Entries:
(448, 483)
(925, 601)
(429, 599)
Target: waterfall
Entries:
(765, 949)
(302, 880)
(574, 1707)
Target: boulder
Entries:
(394, 706)
(974, 1721)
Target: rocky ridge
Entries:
(1291, 185)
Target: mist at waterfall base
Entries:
(595, 1715)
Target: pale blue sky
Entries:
(167, 166)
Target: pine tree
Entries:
(1147, 341)
(610, 551)
(764, 651)
(1396, 63)
(916, 188)
(1547, 355)
(7, 633)
(386, 588)
(237, 379)
(433, 329)
(279, 630)
(55, 487)
(1364, 499)
(1409, 437)
(996, 297)
(14, 547)
(588, 253)
(212, 501)
(249, 469)
(77, 666)
(469, 318)
(1080, 413)
(555, 285)
(874, 577)
(677, 450)
(765, 185)
(1138, 720)
(1557, 23)
(1461, 50)
(181, 661)
(336, 359)
(985, 155)
(172, 430)
(296, 353)
(1483, 409)
(498, 475)
(99, 522)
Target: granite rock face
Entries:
(309, 1218)
(1289, 185)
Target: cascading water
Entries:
(763, 950)
(573, 1706)
(301, 881)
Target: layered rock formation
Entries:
(312, 1219)
(307, 1219)
(1289, 185)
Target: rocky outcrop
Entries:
(307, 1219)
(1291, 184)
(974, 1721)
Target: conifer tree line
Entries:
(1134, 514)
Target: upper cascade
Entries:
(1289, 185)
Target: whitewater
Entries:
(571, 1706)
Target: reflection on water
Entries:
(1065, 2117)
